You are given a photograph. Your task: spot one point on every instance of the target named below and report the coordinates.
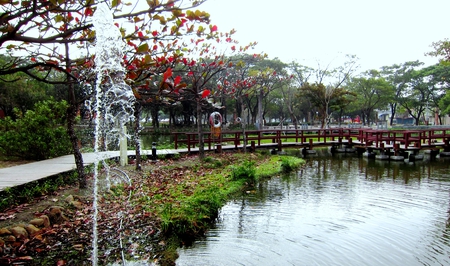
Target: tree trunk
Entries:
(137, 129)
(259, 120)
(71, 114)
(201, 142)
(292, 115)
(393, 112)
(224, 110)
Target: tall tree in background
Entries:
(300, 75)
(398, 76)
(438, 79)
(441, 51)
(372, 92)
(416, 96)
(269, 75)
(323, 97)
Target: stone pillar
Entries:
(123, 146)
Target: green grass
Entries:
(190, 213)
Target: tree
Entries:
(442, 51)
(267, 75)
(372, 92)
(424, 90)
(198, 73)
(325, 99)
(323, 96)
(237, 82)
(41, 35)
(22, 93)
(300, 75)
(437, 77)
(398, 76)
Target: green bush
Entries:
(38, 134)
(290, 163)
(245, 171)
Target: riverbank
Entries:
(166, 204)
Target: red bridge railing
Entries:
(285, 137)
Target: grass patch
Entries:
(195, 202)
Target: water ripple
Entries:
(347, 212)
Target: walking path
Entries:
(26, 173)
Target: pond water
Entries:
(338, 210)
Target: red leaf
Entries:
(33, 59)
(214, 28)
(167, 74)
(177, 80)
(205, 93)
(140, 34)
(61, 262)
(88, 11)
(155, 47)
(233, 48)
(154, 33)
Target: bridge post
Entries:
(218, 148)
(446, 145)
(396, 149)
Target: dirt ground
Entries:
(26, 212)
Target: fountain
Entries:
(114, 99)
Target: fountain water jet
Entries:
(114, 99)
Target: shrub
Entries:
(38, 134)
(245, 171)
(289, 164)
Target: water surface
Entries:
(338, 210)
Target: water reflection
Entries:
(338, 210)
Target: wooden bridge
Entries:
(389, 142)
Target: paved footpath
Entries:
(25, 173)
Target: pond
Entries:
(338, 210)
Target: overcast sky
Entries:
(380, 33)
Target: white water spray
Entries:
(114, 99)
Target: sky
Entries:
(312, 32)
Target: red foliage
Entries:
(206, 93)
(88, 12)
(177, 80)
(167, 74)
